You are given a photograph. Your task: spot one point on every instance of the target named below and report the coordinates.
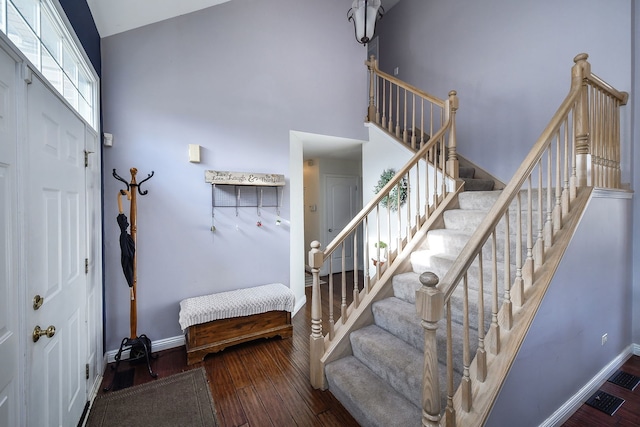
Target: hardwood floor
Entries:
(262, 383)
(627, 415)
(265, 383)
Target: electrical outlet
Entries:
(604, 339)
(396, 71)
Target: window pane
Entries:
(52, 71)
(70, 92)
(85, 86)
(20, 33)
(29, 9)
(51, 37)
(69, 64)
(3, 14)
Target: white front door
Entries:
(341, 195)
(9, 259)
(55, 255)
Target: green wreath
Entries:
(392, 199)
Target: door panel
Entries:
(9, 262)
(55, 204)
(341, 195)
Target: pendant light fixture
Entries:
(364, 14)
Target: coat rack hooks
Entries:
(133, 182)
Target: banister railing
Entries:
(392, 217)
(579, 148)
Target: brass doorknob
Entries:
(38, 332)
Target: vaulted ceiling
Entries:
(116, 16)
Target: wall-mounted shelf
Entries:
(244, 189)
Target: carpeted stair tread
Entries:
(392, 359)
(477, 184)
(466, 172)
(370, 400)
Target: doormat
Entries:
(624, 379)
(123, 379)
(182, 399)
(605, 402)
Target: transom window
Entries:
(36, 28)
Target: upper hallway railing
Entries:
(513, 249)
(374, 239)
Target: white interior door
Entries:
(9, 320)
(55, 251)
(342, 201)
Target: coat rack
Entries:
(138, 346)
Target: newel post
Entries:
(579, 72)
(371, 112)
(316, 340)
(452, 154)
(430, 307)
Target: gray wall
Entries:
(509, 61)
(563, 349)
(635, 155)
(234, 78)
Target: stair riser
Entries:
(442, 241)
(469, 220)
(484, 200)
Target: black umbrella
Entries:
(127, 246)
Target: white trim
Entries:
(159, 345)
(563, 413)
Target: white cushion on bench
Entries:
(237, 303)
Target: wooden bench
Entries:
(217, 321)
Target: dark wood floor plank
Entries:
(256, 412)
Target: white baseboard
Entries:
(299, 305)
(159, 345)
(570, 406)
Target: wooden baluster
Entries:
(408, 203)
(557, 210)
(548, 224)
(430, 308)
(397, 131)
(383, 123)
(372, 107)
(507, 308)
(356, 288)
(405, 132)
(465, 382)
(391, 106)
(481, 353)
(518, 285)
(413, 122)
(539, 246)
(527, 271)
(367, 256)
(343, 277)
(494, 343)
(581, 69)
(332, 322)
(452, 154)
(565, 190)
(573, 180)
(316, 340)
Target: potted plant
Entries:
(379, 252)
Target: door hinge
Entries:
(86, 158)
(86, 266)
(86, 371)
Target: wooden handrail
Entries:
(586, 124)
(373, 63)
(425, 181)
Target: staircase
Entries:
(381, 383)
(409, 349)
